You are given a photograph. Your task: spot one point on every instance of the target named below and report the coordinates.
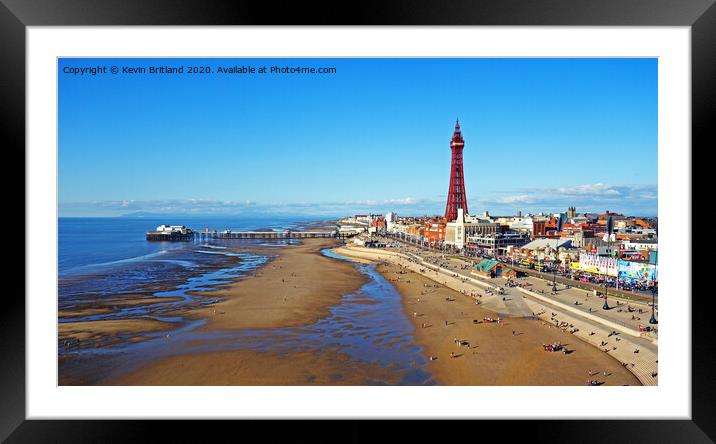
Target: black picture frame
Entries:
(16, 15)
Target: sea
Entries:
(110, 258)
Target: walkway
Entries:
(519, 302)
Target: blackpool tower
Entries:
(456, 192)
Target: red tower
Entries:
(456, 192)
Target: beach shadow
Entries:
(457, 355)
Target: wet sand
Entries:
(495, 356)
(104, 332)
(246, 367)
(104, 307)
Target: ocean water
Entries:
(87, 244)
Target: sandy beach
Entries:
(247, 367)
(495, 355)
(296, 288)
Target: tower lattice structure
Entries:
(456, 192)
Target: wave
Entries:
(247, 256)
(185, 264)
(90, 267)
(220, 253)
(215, 247)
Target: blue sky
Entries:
(540, 135)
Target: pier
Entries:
(190, 235)
(287, 234)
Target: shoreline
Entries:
(296, 287)
(495, 355)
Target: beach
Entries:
(247, 367)
(297, 287)
(495, 355)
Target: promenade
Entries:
(587, 303)
(638, 353)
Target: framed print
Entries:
(233, 217)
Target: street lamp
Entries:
(606, 273)
(653, 297)
(554, 280)
(606, 288)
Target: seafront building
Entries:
(579, 247)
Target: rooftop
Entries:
(546, 242)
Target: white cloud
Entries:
(597, 189)
(522, 198)
(629, 199)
